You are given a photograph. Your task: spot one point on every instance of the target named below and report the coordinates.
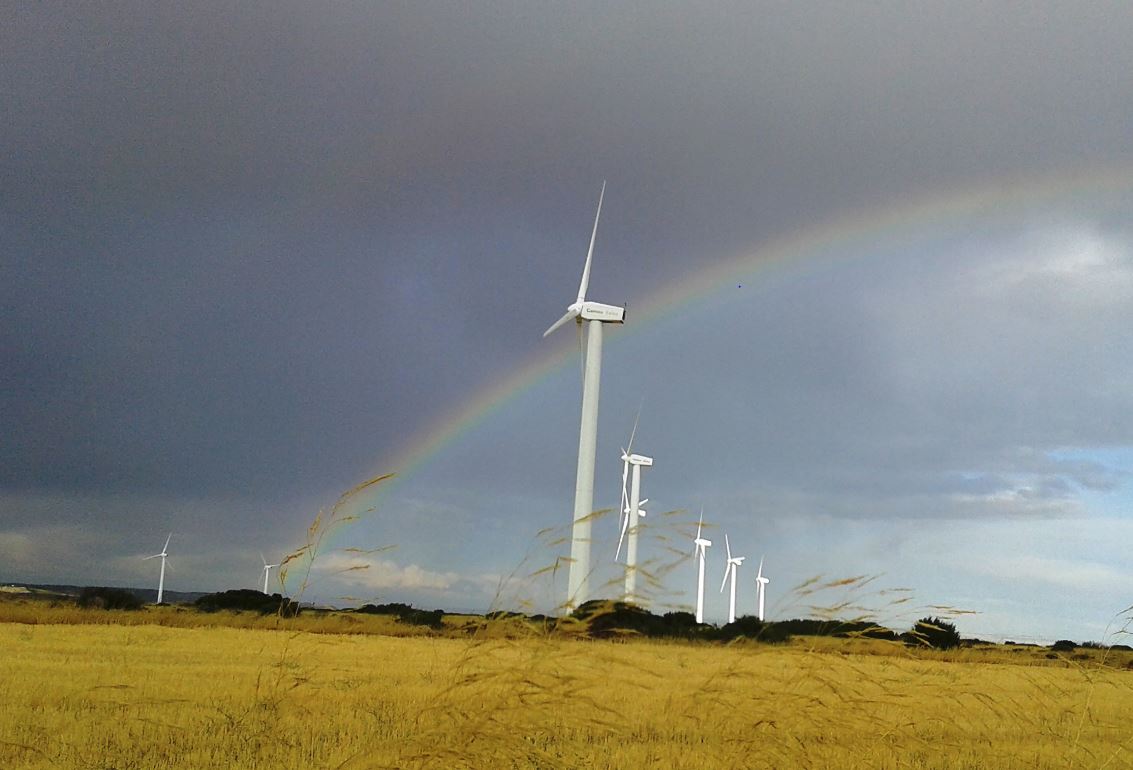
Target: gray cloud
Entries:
(246, 253)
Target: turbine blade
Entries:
(585, 283)
(724, 582)
(569, 315)
(165, 547)
(728, 545)
(621, 537)
(700, 524)
(625, 502)
(265, 561)
(760, 575)
(146, 558)
(632, 433)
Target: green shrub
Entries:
(932, 632)
(105, 598)
(406, 613)
(248, 600)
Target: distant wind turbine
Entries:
(267, 570)
(631, 510)
(730, 568)
(578, 581)
(701, 554)
(161, 580)
(760, 584)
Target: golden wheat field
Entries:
(160, 696)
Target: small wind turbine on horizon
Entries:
(760, 584)
(161, 580)
(267, 570)
(631, 510)
(730, 568)
(578, 580)
(700, 551)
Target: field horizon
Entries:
(236, 690)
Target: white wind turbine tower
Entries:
(760, 584)
(163, 554)
(631, 510)
(578, 582)
(267, 570)
(701, 554)
(730, 570)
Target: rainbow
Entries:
(836, 235)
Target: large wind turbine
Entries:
(578, 582)
(730, 570)
(631, 510)
(701, 554)
(760, 583)
(267, 571)
(163, 554)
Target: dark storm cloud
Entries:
(246, 251)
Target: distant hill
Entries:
(53, 592)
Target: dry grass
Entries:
(115, 696)
(315, 622)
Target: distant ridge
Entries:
(50, 591)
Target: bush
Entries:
(837, 628)
(104, 598)
(932, 632)
(248, 600)
(393, 608)
(747, 627)
(681, 625)
(406, 613)
(605, 618)
(431, 618)
(1064, 645)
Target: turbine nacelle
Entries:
(700, 543)
(164, 549)
(596, 311)
(633, 459)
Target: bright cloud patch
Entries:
(379, 574)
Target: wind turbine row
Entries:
(165, 555)
(578, 582)
(731, 568)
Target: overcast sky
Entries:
(250, 255)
